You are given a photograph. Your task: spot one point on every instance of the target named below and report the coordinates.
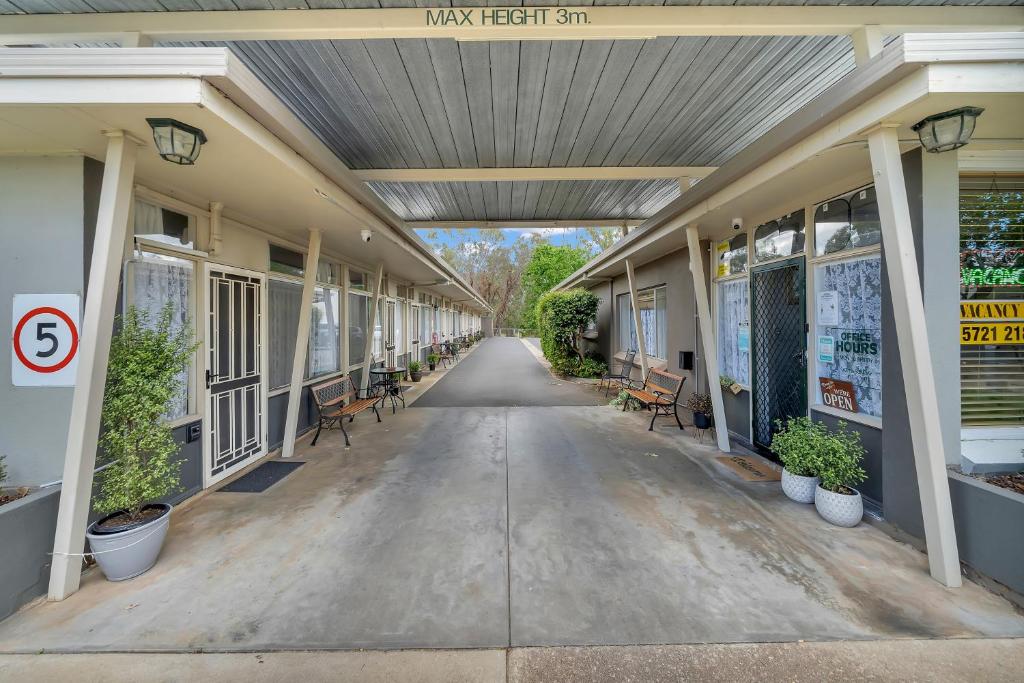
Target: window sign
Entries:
(732, 256)
(779, 238)
(849, 334)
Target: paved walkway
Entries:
(491, 527)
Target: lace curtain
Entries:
(284, 301)
(157, 280)
(324, 333)
(734, 330)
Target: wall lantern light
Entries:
(177, 142)
(948, 130)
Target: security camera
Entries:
(737, 223)
(366, 234)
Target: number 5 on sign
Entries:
(44, 340)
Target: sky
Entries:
(559, 236)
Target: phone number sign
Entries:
(44, 342)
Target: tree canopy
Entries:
(549, 265)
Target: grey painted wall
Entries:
(26, 536)
(41, 251)
(737, 414)
(989, 530)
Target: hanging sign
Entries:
(44, 343)
(826, 349)
(837, 393)
(743, 337)
(828, 308)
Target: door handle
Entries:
(210, 377)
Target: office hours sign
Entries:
(44, 342)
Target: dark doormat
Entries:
(262, 478)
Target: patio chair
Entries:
(621, 378)
(443, 354)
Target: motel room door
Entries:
(234, 372)
(778, 345)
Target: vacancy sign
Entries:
(44, 343)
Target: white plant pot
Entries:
(798, 488)
(126, 554)
(839, 508)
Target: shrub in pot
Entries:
(840, 454)
(145, 374)
(796, 444)
(432, 360)
(700, 404)
(415, 372)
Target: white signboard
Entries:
(828, 308)
(44, 342)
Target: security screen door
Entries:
(234, 374)
(779, 341)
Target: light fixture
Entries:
(948, 130)
(177, 142)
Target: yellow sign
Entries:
(723, 266)
(991, 333)
(991, 310)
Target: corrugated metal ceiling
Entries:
(440, 103)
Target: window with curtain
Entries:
(848, 328)
(734, 330)
(426, 326)
(653, 317)
(358, 320)
(324, 333)
(399, 327)
(156, 281)
(284, 301)
(378, 329)
(161, 224)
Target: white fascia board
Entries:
(99, 91)
(194, 62)
(901, 74)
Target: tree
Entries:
(596, 240)
(549, 265)
(147, 358)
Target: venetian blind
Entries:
(992, 270)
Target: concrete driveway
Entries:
(498, 526)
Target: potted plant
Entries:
(432, 361)
(797, 446)
(145, 374)
(700, 404)
(840, 454)
(415, 373)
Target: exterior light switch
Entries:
(194, 432)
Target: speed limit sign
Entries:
(44, 342)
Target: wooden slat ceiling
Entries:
(444, 104)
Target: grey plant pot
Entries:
(126, 554)
(799, 488)
(838, 508)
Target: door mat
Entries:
(262, 478)
(750, 469)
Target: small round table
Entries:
(391, 380)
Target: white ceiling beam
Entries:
(469, 175)
(505, 225)
(508, 23)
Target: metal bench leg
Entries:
(653, 418)
(317, 435)
(341, 423)
(675, 411)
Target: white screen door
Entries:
(234, 374)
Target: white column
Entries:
(867, 42)
(631, 276)
(707, 337)
(915, 356)
(291, 424)
(371, 324)
(90, 378)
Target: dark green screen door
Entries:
(779, 341)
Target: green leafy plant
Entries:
(563, 317)
(3, 470)
(144, 375)
(414, 366)
(841, 454)
(725, 381)
(624, 398)
(700, 403)
(433, 358)
(796, 444)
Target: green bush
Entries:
(3, 470)
(414, 366)
(433, 358)
(563, 317)
(811, 449)
(147, 358)
(700, 403)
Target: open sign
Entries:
(837, 393)
(44, 340)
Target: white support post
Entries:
(915, 356)
(291, 424)
(90, 378)
(867, 42)
(371, 325)
(707, 338)
(631, 276)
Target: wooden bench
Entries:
(660, 391)
(331, 403)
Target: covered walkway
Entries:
(490, 527)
